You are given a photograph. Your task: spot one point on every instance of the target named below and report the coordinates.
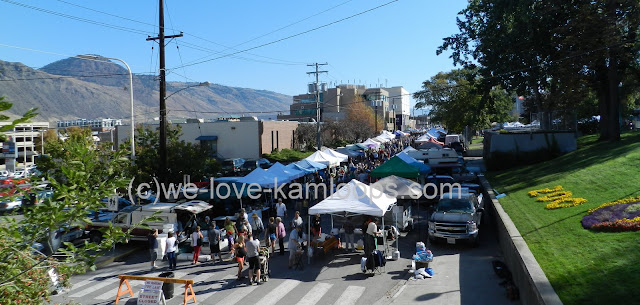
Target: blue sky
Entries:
(393, 45)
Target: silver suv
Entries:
(457, 216)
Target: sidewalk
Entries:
(119, 253)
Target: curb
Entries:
(395, 291)
(111, 259)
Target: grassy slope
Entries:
(584, 267)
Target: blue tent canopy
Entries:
(410, 160)
(310, 165)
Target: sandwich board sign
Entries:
(151, 293)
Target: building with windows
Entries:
(94, 124)
(393, 104)
(23, 144)
(246, 137)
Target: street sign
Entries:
(151, 293)
(112, 203)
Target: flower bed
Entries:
(559, 198)
(618, 217)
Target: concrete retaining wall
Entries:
(527, 275)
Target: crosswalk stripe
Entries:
(95, 287)
(221, 284)
(237, 295)
(90, 280)
(315, 294)
(111, 294)
(350, 296)
(278, 293)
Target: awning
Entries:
(206, 138)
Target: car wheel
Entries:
(95, 237)
(474, 242)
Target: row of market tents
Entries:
(401, 165)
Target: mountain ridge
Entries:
(77, 88)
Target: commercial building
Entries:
(19, 150)
(94, 124)
(393, 104)
(246, 138)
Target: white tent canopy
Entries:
(398, 187)
(335, 154)
(355, 198)
(371, 143)
(323, 158)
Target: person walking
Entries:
(214, 242)
(349, 230)
(152, 239)
(257, 227)
(281, 233)
(281, 209)
(296, 221)
(196, 243)
(271, 232)
(253, 250)
(240, 254)
(171, 246)
(294, 244)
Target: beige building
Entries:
(393, 104)
(19, 151)
(245, 138)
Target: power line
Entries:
(274, 31)
(195, 36)
(117, 27)
(291, 36)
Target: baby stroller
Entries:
(265, 272)
(299, 257)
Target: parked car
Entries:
(4, 174)
(232, 165)
(457, 216)
(264, 163)
(447, 182)
(34, 197)
(18, 175)
(66, 233)
(10, 203)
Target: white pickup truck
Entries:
(170, 215)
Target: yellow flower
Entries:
(621, 201)
(572, 202)
(535, 193)
(555, 196)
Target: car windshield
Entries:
(454, 206)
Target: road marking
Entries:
(350, 296)
(220, 285)
(237, 295)
(95, 287)
(111, 294)
(91, 280)
(315, 294)
(278, 293)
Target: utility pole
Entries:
(163, 92)
(318, 108)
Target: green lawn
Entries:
(584, 267)
(477, 143)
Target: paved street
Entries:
(463, 275)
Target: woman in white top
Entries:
(170, 250)
(196, 243)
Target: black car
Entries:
(232, 165)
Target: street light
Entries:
(100, 58)
(203, 84)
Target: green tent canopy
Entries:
(396, 167)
